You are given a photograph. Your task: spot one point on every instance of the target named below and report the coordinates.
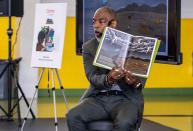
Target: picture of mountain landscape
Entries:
(138, 17)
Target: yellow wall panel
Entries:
(72, 72)
(164, 75)
(4, 25)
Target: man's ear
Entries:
(113, 24)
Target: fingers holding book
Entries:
(115, 74)
(119, 72)
(132, 80)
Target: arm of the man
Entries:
(95, 76)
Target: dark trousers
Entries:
(122, 111)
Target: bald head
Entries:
(108, 10)
(103, 17)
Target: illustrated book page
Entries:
(134, 53)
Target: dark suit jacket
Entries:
(96, 77)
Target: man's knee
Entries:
(73, 115)
(127, 123)
(74, 120)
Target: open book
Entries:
(134, 53)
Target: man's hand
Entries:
(132, 80)
(115, 75)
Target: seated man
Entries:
(114, 95)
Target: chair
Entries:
(104, 125)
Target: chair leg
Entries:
(137, 128)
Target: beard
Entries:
(98, 39)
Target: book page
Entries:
(140, 55)
(113, 48)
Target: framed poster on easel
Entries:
(48, 43)
(49, 33)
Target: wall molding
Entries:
(146, 92)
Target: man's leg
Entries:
(88, 110)
(125, 116)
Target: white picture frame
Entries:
(49, 34)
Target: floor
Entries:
(39, 124)
(170, 111)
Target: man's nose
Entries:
(96, 24)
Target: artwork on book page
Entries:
(134, 53)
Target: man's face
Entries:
(100, 21)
